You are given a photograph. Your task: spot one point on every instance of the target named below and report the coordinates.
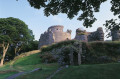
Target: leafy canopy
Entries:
(70, 7)
(84, 8)
(13, 30)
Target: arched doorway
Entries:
(75, 58)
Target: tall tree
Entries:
(71, 8)
(15, 33)
(84, 8)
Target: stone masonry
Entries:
(54, 34)
(82, 35)
(115, 35)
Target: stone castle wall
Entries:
(54, 34)
(115, 35)
(82, 35)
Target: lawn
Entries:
(95, 71)
(27, 63)
(7, 74)
(30, 62)
(99, 71)
(41, 74)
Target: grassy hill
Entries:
(98, 71)
(25, 63)
(31, 60)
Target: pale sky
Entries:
(39, 23)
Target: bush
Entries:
(57, 45)
(92, 52)
(47, 58)
(100, 52)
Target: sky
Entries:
(39, 23)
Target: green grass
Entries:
(23, 60)
(41, 74)
(7, 74)
(100, 71)
(27, 62)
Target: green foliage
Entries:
(47, 58)
(15, 29)
(57, 45)
(85, 9)
(15, 32)
(92, 52)
(111, 25)
(101, 52)
(71, 8)
(32, 45)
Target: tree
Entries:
(32, 45)
(13, 33)
(6, 41)
(72, 8)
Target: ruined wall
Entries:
(81, 35)
(54, 34)
(97, 35)
(90, 36)
(115, 35)
(46, 38)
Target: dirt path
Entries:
(21, 73)
(59, 69)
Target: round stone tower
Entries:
(58, 33)
(56, 28)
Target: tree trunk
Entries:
(5, 48)
(17, 50)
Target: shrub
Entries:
(57, 45)
(92, 52)
(100, 52)
(47, 58)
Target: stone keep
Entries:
(54, 34)
(82, 35)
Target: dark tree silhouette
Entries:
(84, 8)
(72, 8)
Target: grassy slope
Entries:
(99, 71)
(5, 75)
(26, 62)
(42, 74)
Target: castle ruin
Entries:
(115, 35)
(82, 35)
(54, 34)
